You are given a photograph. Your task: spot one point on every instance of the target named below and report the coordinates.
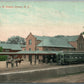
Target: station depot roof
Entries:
(31, 53)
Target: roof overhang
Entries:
(31, 53)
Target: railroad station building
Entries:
(42, 48)
(47, 43)
(55, 43)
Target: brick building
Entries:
(56, 43)
(46, 43)
(42, 44)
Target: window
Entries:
(29, 49)
(30, 42)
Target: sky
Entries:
(48, 18)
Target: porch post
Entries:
(7, 62)
(35, 59)
(12, 62)
(43, 58)
(30, 57)
(38, 59)
(16, 63)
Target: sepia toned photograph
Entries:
(41, 41)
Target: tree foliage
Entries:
(82, 33)
(2, 57)
(16, 40)
(1, 49)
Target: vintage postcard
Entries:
(41, 41)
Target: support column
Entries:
(12, 62)
(43, 58)
(30, 59)
(51, 59)
(46, 59)
(35, 59)
(17, 60)
(7, 62)
(16, 64)
(39, 59)
(54, 58)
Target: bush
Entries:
(1, 49)
(3, 58)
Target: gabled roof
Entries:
(55, 42)
(10, 46)
(72, 38)
(68, 38)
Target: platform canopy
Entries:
(39, 52)
(31, 53)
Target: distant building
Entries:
(56, 43)
(12, 47)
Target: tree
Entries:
(1, 49)
(82, 33)
(16, 40)
(2, 57)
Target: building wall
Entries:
(6, 50)
(54, 49)
(78, 45)
(57, 49)
(9, 50)
(33, 40)
(39, 48)
(73, 43)
(23, 49)
(37, 42)
(15, 50)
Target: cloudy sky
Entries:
(41, 18)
